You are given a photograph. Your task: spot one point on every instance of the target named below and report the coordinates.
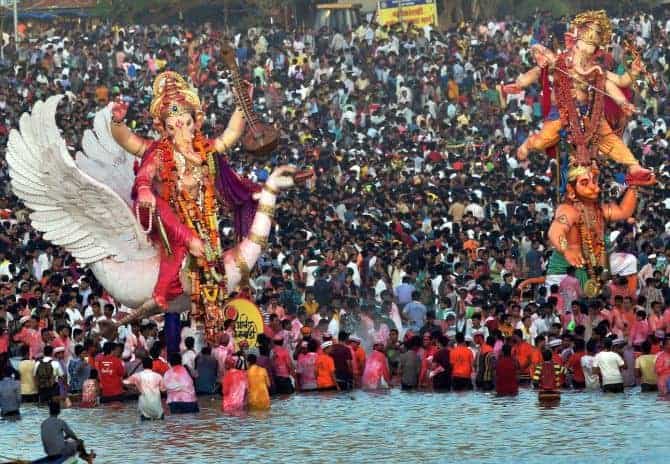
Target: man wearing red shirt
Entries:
(574, 365)
(282, 366)
(159, 365)
(110, 372)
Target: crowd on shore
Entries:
(398, 265)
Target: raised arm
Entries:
(626, 79)
(624, 209)
(122, 134)
(233, 132)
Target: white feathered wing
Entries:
(73, 209)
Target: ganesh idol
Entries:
(581, 97)
(148, 230)
(181, 186)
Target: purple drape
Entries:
(236, 194)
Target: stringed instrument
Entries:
(259, 138)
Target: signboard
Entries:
(419, 12)
(248, 320)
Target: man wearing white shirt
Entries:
(73, 313)
(188, 356)
(609, 365)
(47, 392)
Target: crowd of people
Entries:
(399, 264)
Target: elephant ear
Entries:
(73, 209)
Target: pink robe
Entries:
(376, 369)
(663, 372)
(179, 385)
(235, 387)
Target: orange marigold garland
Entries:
(199, 214)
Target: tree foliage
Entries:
(454, 11)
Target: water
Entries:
(390, 427)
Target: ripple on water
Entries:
(390, 427)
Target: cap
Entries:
(618, 342)
(59, 349)
(659, 334)
(652, 256)
(354, 338)
(325, 345)
(555, 343)
(24, 319)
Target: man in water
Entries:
(58, 439)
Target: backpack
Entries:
(44, 376)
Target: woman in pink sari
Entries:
(663, 368)
(376, 369)
(235, 386)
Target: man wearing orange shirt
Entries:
(358, 362)
(536, 357)
(522, 351)
(325, 368)
(461, 359)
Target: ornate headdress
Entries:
(173, 96)
(592, 27)
(577, 171)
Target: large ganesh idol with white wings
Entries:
(149, 234)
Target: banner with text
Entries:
(418, 12)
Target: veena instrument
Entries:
(259, 138)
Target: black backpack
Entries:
(44, 376)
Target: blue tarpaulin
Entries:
(51, 14)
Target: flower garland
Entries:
(592, 232)
(583, 129)
(200, 214)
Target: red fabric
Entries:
(546, 92)
(614, 115)
(159, 366)
(575, 366)
(546, 103)
(110, 372)
(548, 379)
(507, 382)
(168, 285)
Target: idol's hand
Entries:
(146, 199)
(119, 110)
(574, 257)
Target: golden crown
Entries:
(592, 27)
(173, 96)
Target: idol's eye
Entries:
(170, 128)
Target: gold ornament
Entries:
(591, 288)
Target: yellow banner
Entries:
(248, 320)
(419, 15)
